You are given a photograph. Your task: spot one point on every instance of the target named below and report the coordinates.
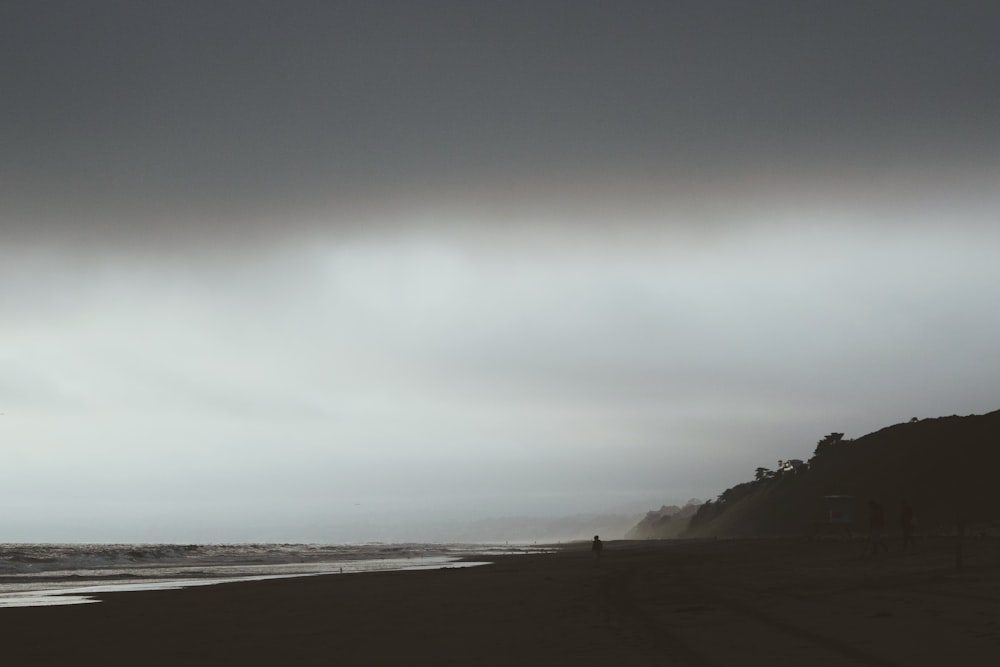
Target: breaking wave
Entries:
(35, 571)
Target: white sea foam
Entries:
(47, 574)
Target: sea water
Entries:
(51, 574)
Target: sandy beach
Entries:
(739, 602)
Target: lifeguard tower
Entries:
(839, 516)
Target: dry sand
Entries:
(746, 602)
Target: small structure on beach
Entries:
(839, 509)
(839, 515)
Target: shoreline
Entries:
(39, 592)
(747, 602)
(38, 570)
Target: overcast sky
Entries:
(318, 270)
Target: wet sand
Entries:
(746, 602)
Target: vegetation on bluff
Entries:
(945, 468)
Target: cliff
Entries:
(667, 522)
(946, 468)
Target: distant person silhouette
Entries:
(597, 547)
(907, 523)
(876, 528)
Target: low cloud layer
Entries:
(462, 378)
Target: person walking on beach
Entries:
(596, 547)
(876, 526)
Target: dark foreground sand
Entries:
(760, 602)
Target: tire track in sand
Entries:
(701, 627)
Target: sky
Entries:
(341, 271)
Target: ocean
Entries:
(55, 574)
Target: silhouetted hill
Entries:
(667, 522)
(941, 466)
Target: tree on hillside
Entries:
(762, 474)
(827, 443)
